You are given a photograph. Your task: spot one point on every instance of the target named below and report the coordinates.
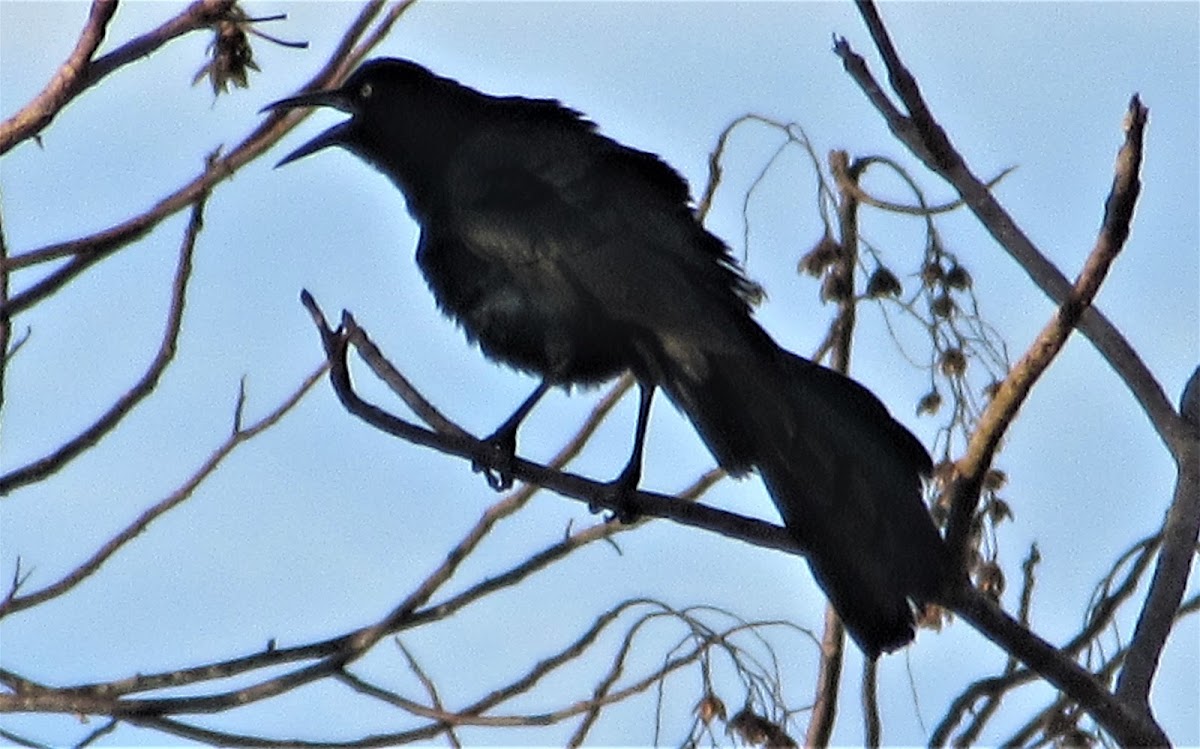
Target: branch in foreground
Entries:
(968, 603)
(1062, 704)
(833, 640)
(1103, 610)
(1128, 727)
(1180, 532)
(642, 503)
(928, 142)
(13, 603)
(65, 84)
(1014, 390)
(73, 448)
(87, 251)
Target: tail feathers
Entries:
(845, 476)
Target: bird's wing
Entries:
(588, 220)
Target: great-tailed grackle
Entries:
(572, 257)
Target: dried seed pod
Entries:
(989, 578)
(232, 57)
(883, 283)
(942, 306)
(991, 389)
(836, 288)
(929, 403)
(994, 479)
(953, 362)
(709, 707)
(932, 273)
(823, 254)
(999, 510)
(957, 277)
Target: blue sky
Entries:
(322, 524)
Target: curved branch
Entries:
(87, 251)
(833, 640)
(867, 198)
(66, 83)
(1014, 390)
(642, 503)
(13, 603)
(124, 405)
(1105, 672)
(928, 142)
(1102, 613)
(1128, 727)
(1180, 532)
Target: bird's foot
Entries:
(620, 499)
(497, 468)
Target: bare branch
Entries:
(872, 728)
(108, 727)
(398, 383)
(841, 278)
(1169, 583)
(1102, 612)
(828, 680)
(68, 451)
(12, 603)
(1063, 702)
(1002, 409)
(866, 198)
(1123, 724)
(998, 686)
(6, 350)
(65, 84)
(21, 740)
(928, 142)
(570, 485)
(87, 251)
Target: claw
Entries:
(620, 494)
(497, 471)
(502, 444)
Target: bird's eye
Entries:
(365, 92)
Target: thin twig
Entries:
(833, 642)
(1105, 674)
(1125, 725)
(67, 81)
(1102, 613)
(87, 251)
(926, 139)
(1014, 390)
(240, 436)
(872, 726)
(124, 405)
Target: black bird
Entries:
(574, 258)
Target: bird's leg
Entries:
(621, 489)
(502, 444)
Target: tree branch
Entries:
(569, 485)
(87, 251)
(13, 603)
(929, 143)
(1128, 727)
(1169, 583)
(124, 405)
(66, 83)
(840, 279)
(1014, 390)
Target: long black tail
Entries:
(845, 476)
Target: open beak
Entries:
(331, 137)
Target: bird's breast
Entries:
(525, 316)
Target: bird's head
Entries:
(397, 108)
